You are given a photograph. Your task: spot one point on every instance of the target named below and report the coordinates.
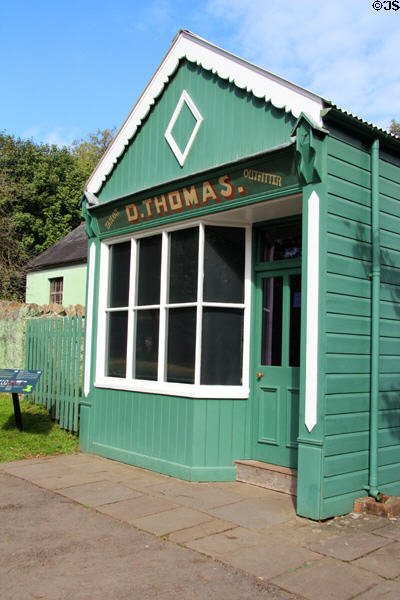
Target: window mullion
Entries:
(162, 339)
(247, 302)
(102, 312)
(130, 350)
(199, 315)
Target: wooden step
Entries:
(272, 477)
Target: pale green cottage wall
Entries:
(38, 285)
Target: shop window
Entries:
(176, 309)
(56, 290)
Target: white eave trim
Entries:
(282, 94)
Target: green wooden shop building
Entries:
(243, 284)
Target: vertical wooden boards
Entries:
(184, 437)
(55, 346)
(236, 124)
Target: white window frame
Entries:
(195, 390)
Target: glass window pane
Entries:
(183, 265)
(149, 270)
(224, 255)
(117, 327)
(295, 324)
(281, 243)
(120, 259)
(146, 361)
(222, 346)
(271, 334)
(181, 345)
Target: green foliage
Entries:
(88, 152)
(40, 190)
(394, 127)
(41, 436)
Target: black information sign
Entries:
(18, 381)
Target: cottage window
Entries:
(176, 311)
(56, 290)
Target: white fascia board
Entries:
(262, 84)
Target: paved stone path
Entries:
(261, 549)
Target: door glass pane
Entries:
(183, 265)
(271, 334)
(281, 243)
(295, 310)
(224, 253)
(146, 361)
(149, 270)
(120, 259)
(222, 345)
(117, 327)
(181, 344)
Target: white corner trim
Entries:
(179, 155)
(89, 319)
(311, 393)
(274, 89)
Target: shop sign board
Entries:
(232, 187)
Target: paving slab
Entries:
(136, 507)
(384, 562)
(347, 546)
(390, 530)
(243, 490)
(389, 590)
(270, 560)
(97, 493)
(327, 579)
(298, 531)
(144, 480)
(200, 531)
(233, 540)
(67, 479)
(195, 495)
(358, 521)
(169, 521)
(257, 513)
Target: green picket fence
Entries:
(55, 346)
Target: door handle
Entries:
(260, 375)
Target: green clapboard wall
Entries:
(348, 327)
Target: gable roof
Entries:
(262, 84)
(70, 249)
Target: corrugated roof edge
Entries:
(335, 113)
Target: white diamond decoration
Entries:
(179, 155)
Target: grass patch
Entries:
(41, 435)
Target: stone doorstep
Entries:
(271, 477)
(388, 507)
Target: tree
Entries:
(89, 151)
(394, 127)
(40, 190)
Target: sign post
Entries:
(16, 381)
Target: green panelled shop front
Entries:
(231, 308)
